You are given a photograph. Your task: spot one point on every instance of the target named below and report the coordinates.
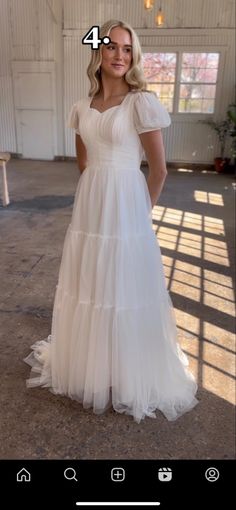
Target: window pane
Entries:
(197, 71)
(160, 71)
(166, 97)
(199, 91)
(196, 106)
(213, 60)
(200, 60)
(167, 101)
(194, 74)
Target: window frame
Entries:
(219, 82)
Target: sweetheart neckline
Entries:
(111, 107)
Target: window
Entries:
(196, 88)
(198, 82)
(160, 71)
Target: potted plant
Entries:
(231, 113)
(224, 129)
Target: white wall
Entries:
(46, 34)
(31, 57)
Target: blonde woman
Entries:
(114, 340)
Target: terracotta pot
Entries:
(221, 164)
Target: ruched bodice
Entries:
(112, 137)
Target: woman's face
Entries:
(117, 56)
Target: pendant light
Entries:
(148, 4)
(159, 19)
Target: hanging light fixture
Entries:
(148, 4)
(159, 19)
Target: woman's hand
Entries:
(81, 153)
(152, 143)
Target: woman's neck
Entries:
(113, 88)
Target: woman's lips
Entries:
(117, 65)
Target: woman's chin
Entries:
(115, 72)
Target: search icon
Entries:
(70, 474)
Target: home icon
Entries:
(23, 476)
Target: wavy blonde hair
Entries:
(134, 76)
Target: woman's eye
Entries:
(126, 50)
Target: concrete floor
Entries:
(194, 222)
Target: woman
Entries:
(114, 337)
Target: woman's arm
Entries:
(81, 153)
(152, 143)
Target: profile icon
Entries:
(212, 474)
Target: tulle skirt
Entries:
(113, 338)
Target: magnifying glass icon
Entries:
(70, 474)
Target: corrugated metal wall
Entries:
(51, 30)
(179, 13)
(76, 57)
(7, 121)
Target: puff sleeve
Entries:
(73, 118)
(149, 113)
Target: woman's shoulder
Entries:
(144, 99)
(149, 112)
(81, 102)
(75, 113)
(144, 95)
(79, 106)
(143, 91)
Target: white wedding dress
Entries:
(113, 339)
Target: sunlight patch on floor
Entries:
(208, 198)
(210, 348)
(218, 383)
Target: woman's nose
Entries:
(118, 53)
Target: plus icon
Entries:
(118, 474)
